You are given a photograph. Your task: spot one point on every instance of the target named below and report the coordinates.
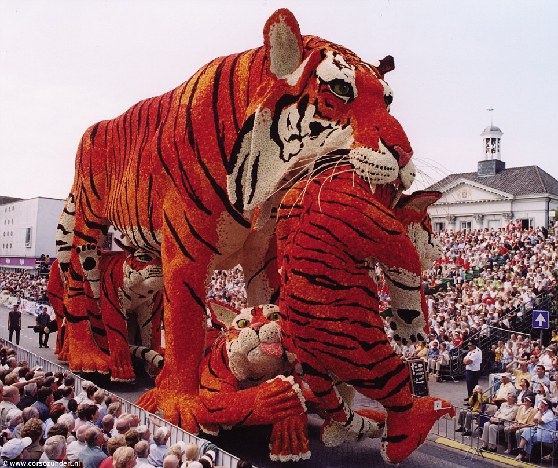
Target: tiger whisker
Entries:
(312, 160)
(352, 169)
(312, 178)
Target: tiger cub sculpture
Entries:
(327, 228)
(130, 306)
(246, 378)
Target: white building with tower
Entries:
(493, 196)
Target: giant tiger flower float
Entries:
(195, 176)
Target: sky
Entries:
(66, 64)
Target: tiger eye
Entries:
(341, 88)
(242, 323)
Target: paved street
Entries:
(251, 443)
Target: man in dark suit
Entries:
(42, 321)
(14, 323)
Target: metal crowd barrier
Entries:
(543, 454)
(151, 420)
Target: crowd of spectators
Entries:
(24, 285)
(521, 415)
(228, 286)
(42, 419)
(487, 277)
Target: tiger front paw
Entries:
(289, 440)
(121, 369)
(277, 399)
(89, 255)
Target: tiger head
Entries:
(321, 105)
(411, 210)
(253, 342)
(142, 272)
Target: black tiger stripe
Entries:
(321, 261)
(254, 177)
(395, 439)
(232, 72)
(199, 237)
(196, 298)
(324, 393)
(118, 332)
(177, 239)
(357, 231)
(219, 132)
(400, 285)
(317, 341)
(260, 270)
(322, 280)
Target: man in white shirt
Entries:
(472, 361)
(501, 396)
(505, 388)
(546, 358)
(11, 399)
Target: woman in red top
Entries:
(457, 340)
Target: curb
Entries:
(488, 455)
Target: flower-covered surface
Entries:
(194, 175)
(130, 304)
(245, 379)
(328, 227)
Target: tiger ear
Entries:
(222, 314)
(257, 164)
(283, 43)
(418, 201)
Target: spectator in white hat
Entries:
(83, 394)
(15, 449)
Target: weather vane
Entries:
(491, 110)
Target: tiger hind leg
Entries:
(342, 424)
(407, 430)
(409, 420)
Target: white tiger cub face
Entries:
(253, 342)
(143, 274)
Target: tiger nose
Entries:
(403, 156)
(256, 326)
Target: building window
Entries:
(28, 237)
(466, 225)
(439, 226)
